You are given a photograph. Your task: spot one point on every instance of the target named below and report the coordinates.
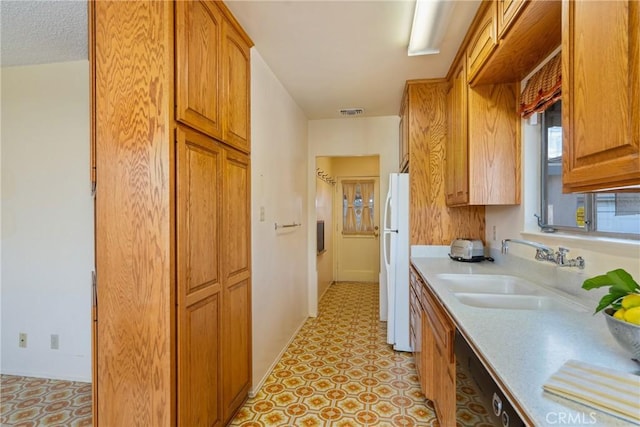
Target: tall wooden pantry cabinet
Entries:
(170, 160)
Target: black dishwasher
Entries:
(500, 411)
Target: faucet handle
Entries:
(563, 250)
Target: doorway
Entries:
(348, 204)
(357, 229)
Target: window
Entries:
(358, 207)
(613, 214)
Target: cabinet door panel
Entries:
(199, 364)
(198, 39)
(601, 110)
(199, 193)
(236, 281)
(237, 365)
(482, 44)
(199, 310)
(236, 82)
(494, 145)
(507, 11)
(237, 213)
(457, 163)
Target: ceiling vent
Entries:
(351, 112)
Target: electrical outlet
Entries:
(22, 340)
(261, 213)
(494, 233)
(55, 342)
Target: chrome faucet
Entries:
(545, 253)
(562, 261)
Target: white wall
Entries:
(47, 220)
(350, 137)
(324, 211)
(279, 185)
(601, 255)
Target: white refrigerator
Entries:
(396, 259)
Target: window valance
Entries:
(543, 88)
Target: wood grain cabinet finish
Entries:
(415, 324)
(199, 299)
(435, 355)
(600, 94)
(134, 349)
(172, 334)
(483, 144)
(236, 88)
(494, 145)
(456, 162)
(505, 14)
(212, 72)
(404, 134)
(198, 29)
(483, 41)
(528, 31)
(237, 280)
(432, 222)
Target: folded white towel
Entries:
(614, 392)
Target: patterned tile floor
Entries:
(339, 371)
(31, 402)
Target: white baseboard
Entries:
(256, 387)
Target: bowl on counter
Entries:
(626, 334)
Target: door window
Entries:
(358, 203)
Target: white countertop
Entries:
(525, 347)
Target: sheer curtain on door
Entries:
(358, 203)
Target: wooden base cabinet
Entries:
(172, 335)
(435, 356)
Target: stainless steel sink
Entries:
(517, 302)
(488, 283)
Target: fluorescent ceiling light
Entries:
(430, 19)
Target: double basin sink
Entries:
(499, 291)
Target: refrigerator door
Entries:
(400, 262)
(388, 249)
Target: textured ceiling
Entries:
(39, 32)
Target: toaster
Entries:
(469, 250)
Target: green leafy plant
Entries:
(620, 284)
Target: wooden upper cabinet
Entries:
(457, 167)
(198, 27)
(494, 145)
(483, 41)
(600, 94)
(483, 144)
(507, 11)
(212, 72)
(236, 88)
(527, 32)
